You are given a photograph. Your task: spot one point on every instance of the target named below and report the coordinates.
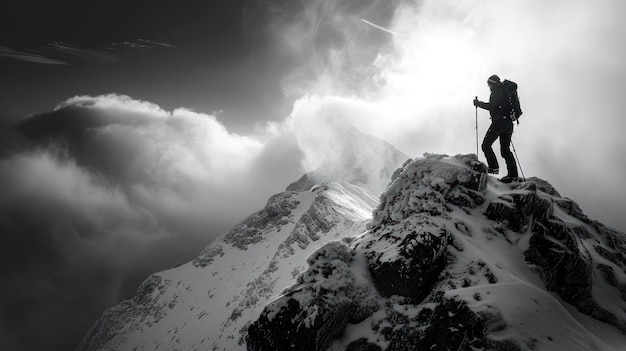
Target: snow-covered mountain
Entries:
(456, 260)
(451, 260)
(208, 303)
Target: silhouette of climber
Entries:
(501, 127)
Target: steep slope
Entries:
(455, 260)
(206, 303)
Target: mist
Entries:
(101, 191)
(117, 190)
(567, 58)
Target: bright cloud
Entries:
(131, 184)
(418, 92)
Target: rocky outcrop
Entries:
(310, 314)
(144, 306)
(569, 259)
(561, 251)
(210, 302)
(274, 215)
(406, 245)
(455, 260)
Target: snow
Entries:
(208, 303)
(536, 318)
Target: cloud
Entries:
(28, 57)
(60, 53)
(415, 90)
(567, 68)
(151, 42)
(116, 188)
(96, 55)
(159, 159)
(112, 189)
(107, 53)
(65, 237)
(326, 45)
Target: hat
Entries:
(494, 79)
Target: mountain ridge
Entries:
(229, 278)
(207, 302)
(456, 260)
(448, 257)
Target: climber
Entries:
(501, 127)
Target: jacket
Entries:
(498, 109)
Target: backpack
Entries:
(511, 91)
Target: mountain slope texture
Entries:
(451, 260)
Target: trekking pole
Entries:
(518, 163)
(476, 98)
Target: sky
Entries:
(133, 133)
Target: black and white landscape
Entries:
(137, 138)
(452, 260)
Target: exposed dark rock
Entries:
(566, 266)
(416, 267)
(275, 214)
(454, 326)
(419, 232)
(406, 249)
(277, 333)
(312, 313)
(515, 207)
(207, 255)
(504, 210)
(144, 306)
(305, 183)
(363, 345)
(562, 269)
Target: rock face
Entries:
(407, 244)
(452, 259)
(207, 303)
(456, 260)
(322, 303)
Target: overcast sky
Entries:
(149, 128)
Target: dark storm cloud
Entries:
(108, 190)
(115, 188)
(101, 192)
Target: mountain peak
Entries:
(355, 158)
(455, 260)
(448, 258)
(208, 302)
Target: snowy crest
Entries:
(455, 260)
(426, 187)
(209, 302)
(452, 259)
(350, 156)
